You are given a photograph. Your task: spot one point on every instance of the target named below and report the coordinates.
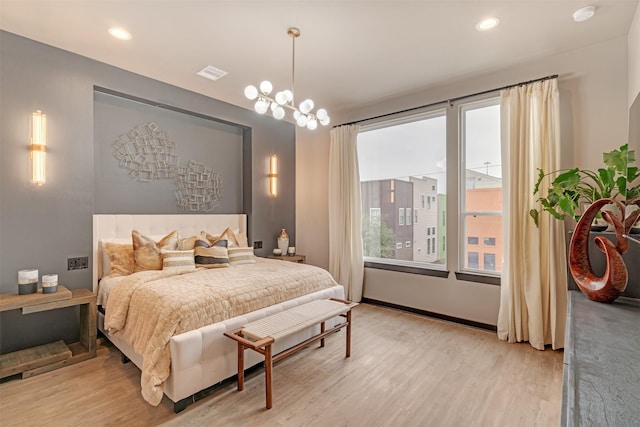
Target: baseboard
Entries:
(439, 316)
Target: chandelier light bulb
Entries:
(281, 98)
(273, 106)
(261, 106)
(278, 113)
(312, 123)
(302, 120)
(306, 106)
(266, 87)
(296, 114)
(321, 114)
(325, 121)
(251, 92)
(288, 94)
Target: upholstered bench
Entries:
(261, 334)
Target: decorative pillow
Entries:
(241, 238)
(187, 243)
(121, 261)
(239, 256)
(227, 235)
(211, 256)
(147, 253)
(178, 261)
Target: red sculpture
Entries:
(614, 281)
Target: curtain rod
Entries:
(450, 101)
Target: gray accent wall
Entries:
(40, 227)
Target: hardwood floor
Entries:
(404, 370)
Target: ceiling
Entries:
(350, 53)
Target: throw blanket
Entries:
(147, 308)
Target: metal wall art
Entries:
(148, 154)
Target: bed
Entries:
(199, 356)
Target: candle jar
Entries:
(49, 283)
(27, 281)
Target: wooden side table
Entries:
(302, 259)
(45, 358)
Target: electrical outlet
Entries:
(257, 244)
(77, 263)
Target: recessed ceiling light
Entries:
(120, 33)
(487, 24)
(584, 13)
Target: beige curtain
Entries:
(345, 212)
(533, 300)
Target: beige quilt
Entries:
(147, 308)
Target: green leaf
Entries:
(534, 214)
(541, 176)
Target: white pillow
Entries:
(178, 261)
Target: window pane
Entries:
(482, 205)
(490, 262)
(472, 260)
(490, 241)
(403, 173)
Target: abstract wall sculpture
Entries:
(614, 280)
(148, 154)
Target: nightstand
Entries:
(302, 259)
(47, 357)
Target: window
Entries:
(472, 260)
(411, 153)
(374, 216)
(429, 231)
(444, 243)
(481, 181)
(490, 262)
(433, 243)
(399, 245)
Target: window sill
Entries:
(407, 269)
(478, 278)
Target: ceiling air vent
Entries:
(212, 73)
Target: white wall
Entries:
(634, 57)
(594, 104)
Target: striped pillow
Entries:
(239, 256)
(211, 256)
(178, 261)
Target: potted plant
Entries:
(573, 188)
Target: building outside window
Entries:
(400, 216)
(472, 260)
(472, 240)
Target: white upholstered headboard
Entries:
(120, 226)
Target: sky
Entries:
(419, 148)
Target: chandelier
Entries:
(284, 99)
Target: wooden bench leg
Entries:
(322, 332)
(349, 333)
(240, 367)
(268, 367)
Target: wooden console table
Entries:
(47, 357)
(601, 363)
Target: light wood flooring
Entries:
(404, 370)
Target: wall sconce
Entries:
(38, 147)
(273, 175)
